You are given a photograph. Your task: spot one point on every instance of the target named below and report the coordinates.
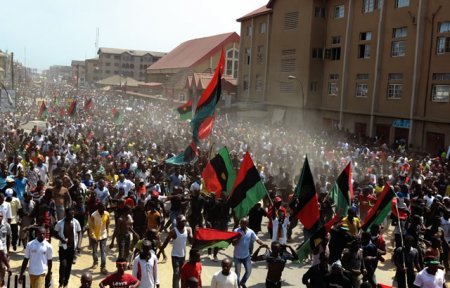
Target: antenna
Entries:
(97, 36)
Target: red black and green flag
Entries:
(210, 238)
(342, 191)
(305, 203)
(188, 156)
(117, 116)
(72, 108)
(219, 174)
(203, 119)
(88, 104)
(42, 113)
(248, 189)
(381, 209)
(185, 111)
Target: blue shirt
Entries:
(20, 187)
(242, 248)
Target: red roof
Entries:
(260, 11)
(191, 52)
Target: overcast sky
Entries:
(50, 32)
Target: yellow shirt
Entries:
(98, 225)
(353, 228)
(447, 191)
(378, 190)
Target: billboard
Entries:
(7, 101)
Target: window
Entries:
(260, 54)
(441, 76)
(333, 89)
(107, 56)
(395, 91)
(248, 54)
(333, 53)
(319, 12)
(362, 76)
(364, 51)
(107, 64)
(440, 93)
(108, 72)
(245, 83)
(232, 61)
(339, 11)
(317, 53)
(288, 65)
(380, 4)
(290, 20)
(400, 32)
(395, 76)
(401, 3)
(362, 89)
(444, 27)
(288, 52)
(132, 66)
(287, 87)
(365, 36)
(398, 48)
(248, 31)
(368, 6)
(116, 64)
(263, 27)
(116, 57)
(335, 40)
(313, 86)
(259, 83)
(443, 45)
(333, 77)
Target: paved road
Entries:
(292, 273)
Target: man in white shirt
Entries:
(102, 192)
(124, 183)
(225, 278)
(431, 276)
(5, 208)
(68, 231)
(145, 267)
(39, 253)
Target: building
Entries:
(195, 60)
(373, 67)
(3, 62)
(92, 71)
(125, 62)
(78, 73)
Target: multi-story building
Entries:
(92, 71)
(3, 60)
(374, 67)
(78, 73)
(125, 62)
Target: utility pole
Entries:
(12, 70)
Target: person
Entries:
(5, 208)
(180, 234)
(62, 199)
(255, 217)
(86, 280)
(27, 218)
(98, 233)
(370, 254)
(123, 230)
(145, 267)
(431, 276)
(4, 259)
(406, 259)
(102, 192)
(351, 222)
(280, 225)
(39, 254)
(241, 254)
(120, 278)
(124, 183)
(353, 263)
(225, 278)
(192, 268)
(336, 277)
(15, 220)
(366, 200)
(68, 231)
(276, 261)
(313, 278)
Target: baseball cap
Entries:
(9, 192)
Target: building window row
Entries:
(440, 93)
(260, 54)
(287, 87)
(362, 90)
(444, 27)
(319, 12)
(263, 28)
(400, 32)
(291, 20)
(401, 3)
(333, 86)
(398, 48)
(369, 6)
(395, 86)
(443, 45)
(232, 62)
(441, 77)
(339, 11)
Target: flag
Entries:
(204, 116)
(342, 191)
(305, 203)
(42, 114)
(10, 101)
(185, 111)
(189, 156)
(73, 108)
(88, 104)
(117, 116)
(306, 247)
(381, 208)
(219, 174)
(209, 238)
(247, 190)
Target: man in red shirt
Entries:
(190, 269)
(366, 201)
(120, 278)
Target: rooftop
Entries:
(129, 51)
(260, 11)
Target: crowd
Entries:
(74, 177)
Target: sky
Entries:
(42, 33)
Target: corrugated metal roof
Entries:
(129, 51)
(260, 11)
(189, 53)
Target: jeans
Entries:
(94, 246)
(247, 266)
(177, 263)
(65, 267)
(60, 212)
(123, 243)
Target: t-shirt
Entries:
(39, 253)
(189, 270)
(224, 281)
(241, 250)
(426, 280)
(116, 281)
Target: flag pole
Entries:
(401, 231)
